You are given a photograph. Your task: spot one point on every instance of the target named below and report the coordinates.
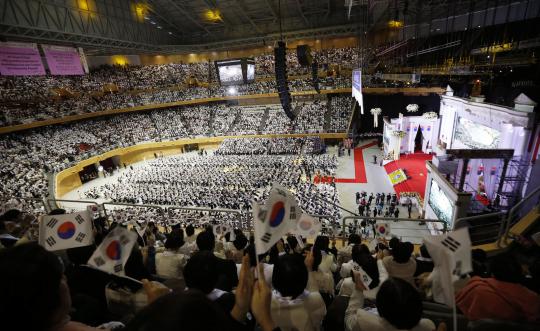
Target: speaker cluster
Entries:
(280, 64)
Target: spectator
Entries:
(499, 297)
(169, 264)
(401, 264)
(35, 294)
(225, 269)
(293, 307)
(399, 307)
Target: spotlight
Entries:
(232, 90)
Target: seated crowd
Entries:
(184, 276)
(28, 157)
(115, 87)
(238, 171)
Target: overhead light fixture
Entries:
(170, 32)
(395, 24)
(154, 23)
(159, 27)
(83, 5)
(141, 11)
(212, 15)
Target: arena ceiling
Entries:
(185, 26)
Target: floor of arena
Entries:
(355, 173)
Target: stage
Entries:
(414, 166)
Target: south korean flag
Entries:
(308, 226)
(113, 253)
(272, 221)
(383, 229)
(66, 231)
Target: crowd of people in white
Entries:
(27, 157)
(340, 112)
(239, 171)
(117, 87)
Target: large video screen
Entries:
(441, 204)
(475, 136)
(230, 72)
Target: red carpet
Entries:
(414, 166)
(359, 168)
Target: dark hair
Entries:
(355, 239)
(479, 255)
(290, 275)
(320, 245)
(30, 286)
(424, 252)
(188, 311)
(293, 243)
(240, 241)
(402, 252)
(190, 230)
(175, 239)
(399, 303)
(206, 241)
(57, 211)
(362, 256)
(479, 265)
(393, 243)
(200, 272)
(506, 269)
(10, 215)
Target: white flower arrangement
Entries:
(430, 115)
(399, 133)
(412, 108)
(376, 111)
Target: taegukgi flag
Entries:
(451, 256)
(275, 219)
(383, 229)
(307, 226)
(113, 253)
(66, 231)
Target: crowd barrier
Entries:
(414, 232)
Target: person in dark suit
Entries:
(226, 269)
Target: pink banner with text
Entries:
(63, 60)
(20, 59)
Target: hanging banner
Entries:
(357, 88)
(20, 59)
(63, 60)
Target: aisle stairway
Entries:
(496, 231)
(264, 120)
(328, 115)
(235, 121)
(211, 121)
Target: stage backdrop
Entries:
(391, 106)
(20, 59)
(63, 60)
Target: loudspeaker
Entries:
(315, 76)
(303, 53)
(282, 84)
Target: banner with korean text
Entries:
(63, 60)
(20, 59)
